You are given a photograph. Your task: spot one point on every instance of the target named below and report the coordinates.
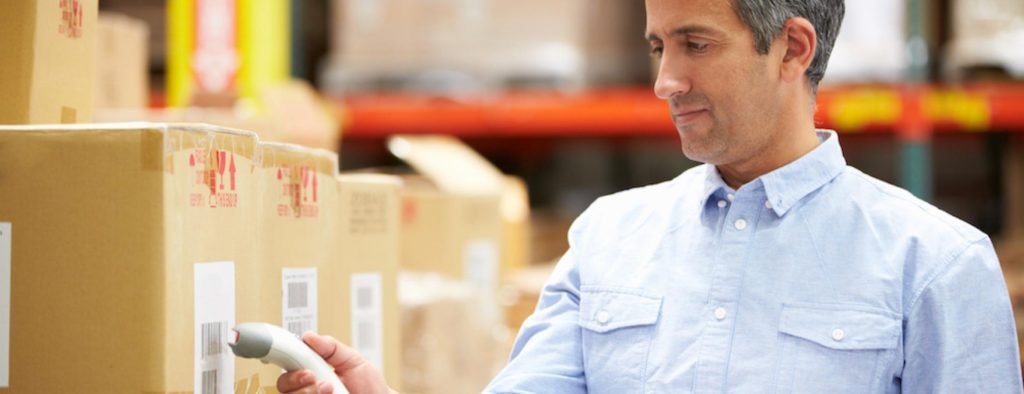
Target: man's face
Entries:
(722, 94)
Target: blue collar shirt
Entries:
(813, 278)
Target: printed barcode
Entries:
(366, 338)
(299, 327)
(210, 382)
(298, 294)
(364, 298)
(212, 338)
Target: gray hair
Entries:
(765, 18)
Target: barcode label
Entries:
(209, 383)
(5, 303)
(367, 317)
(364, 298)
(214, 304)
(299, 306)
(299, 327)
(212, 339)
(298, 294)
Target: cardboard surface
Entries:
(46, 75)
(368, 244)
(111, 221)
(296, 226)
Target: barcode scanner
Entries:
(275, 345)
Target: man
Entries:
(774, 267)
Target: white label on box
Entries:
(214, 297)
(298, 301)
(480, 265)
(368, 317)
(5, 303)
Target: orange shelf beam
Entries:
(637, 112)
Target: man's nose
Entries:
(673, 78)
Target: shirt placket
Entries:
(734, 239)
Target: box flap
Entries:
(452, 165)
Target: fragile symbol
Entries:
(191, 160)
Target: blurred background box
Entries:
(986, 34)
(448, 345)
(122, 62)
(872, 43)
(481, 44)
(46, 75)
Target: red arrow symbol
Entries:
(232, 170)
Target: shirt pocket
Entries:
(834, 348)
(617, 328)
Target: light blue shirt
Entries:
(814, 278)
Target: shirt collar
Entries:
(787, 185)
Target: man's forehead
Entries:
(673, 17)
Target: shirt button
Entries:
(838, 334)
(740, 224)
(722, 203)
(603, 317)
(720, 313)
(730, 196)
(768, 204)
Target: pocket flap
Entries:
(604, 309)
(847, 327)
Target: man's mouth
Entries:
(684, 117)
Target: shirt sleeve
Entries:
(960, 335)
(547, 354)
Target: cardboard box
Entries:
(122, 62)
(49, 55)
(131, 253)
(297, 227)
(451, 213)
(368, 243)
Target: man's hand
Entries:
(358, 375)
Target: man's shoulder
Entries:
(622, 213)
(902, 213)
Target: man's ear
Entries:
(800, 43)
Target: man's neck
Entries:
(778, 154)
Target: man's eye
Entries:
(697, 46)
(657, 51)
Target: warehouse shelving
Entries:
(912, 111)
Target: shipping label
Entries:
(369, 213)
(214, 297)
(298, 192)
(213, 174)
(368, 317)
(298, 303)
(5, 303)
